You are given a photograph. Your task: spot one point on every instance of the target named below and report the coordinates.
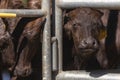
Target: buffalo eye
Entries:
(75, 26)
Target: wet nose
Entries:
(88, 43)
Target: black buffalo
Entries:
(85, 30)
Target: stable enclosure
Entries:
(52, 41)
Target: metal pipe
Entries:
(111, 4)
(58, 34)
(25, 12)
(54, 41)
(46, 46)
(54, 54)
(89, 75)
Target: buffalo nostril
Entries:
(85, 42)
(93, 43)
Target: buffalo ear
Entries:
(67, 23)
(101, 14)
(67, 29)
(103, 30)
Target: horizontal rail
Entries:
(23, 12)
(90, 75)
(111, 4)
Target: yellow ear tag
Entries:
(103, 34)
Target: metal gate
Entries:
(52, 61)
(44, 11)
(79, 75)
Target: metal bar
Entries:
(54, 54)
(55, 43)
(46, 47)
(111, 4)
(90, 75)
(25, 12)
(58, 34)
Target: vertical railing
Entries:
(58, 33)
(46, 47)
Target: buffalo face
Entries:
(84, 26)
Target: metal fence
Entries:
(44, 11)
(52, 54)
(82, 74)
